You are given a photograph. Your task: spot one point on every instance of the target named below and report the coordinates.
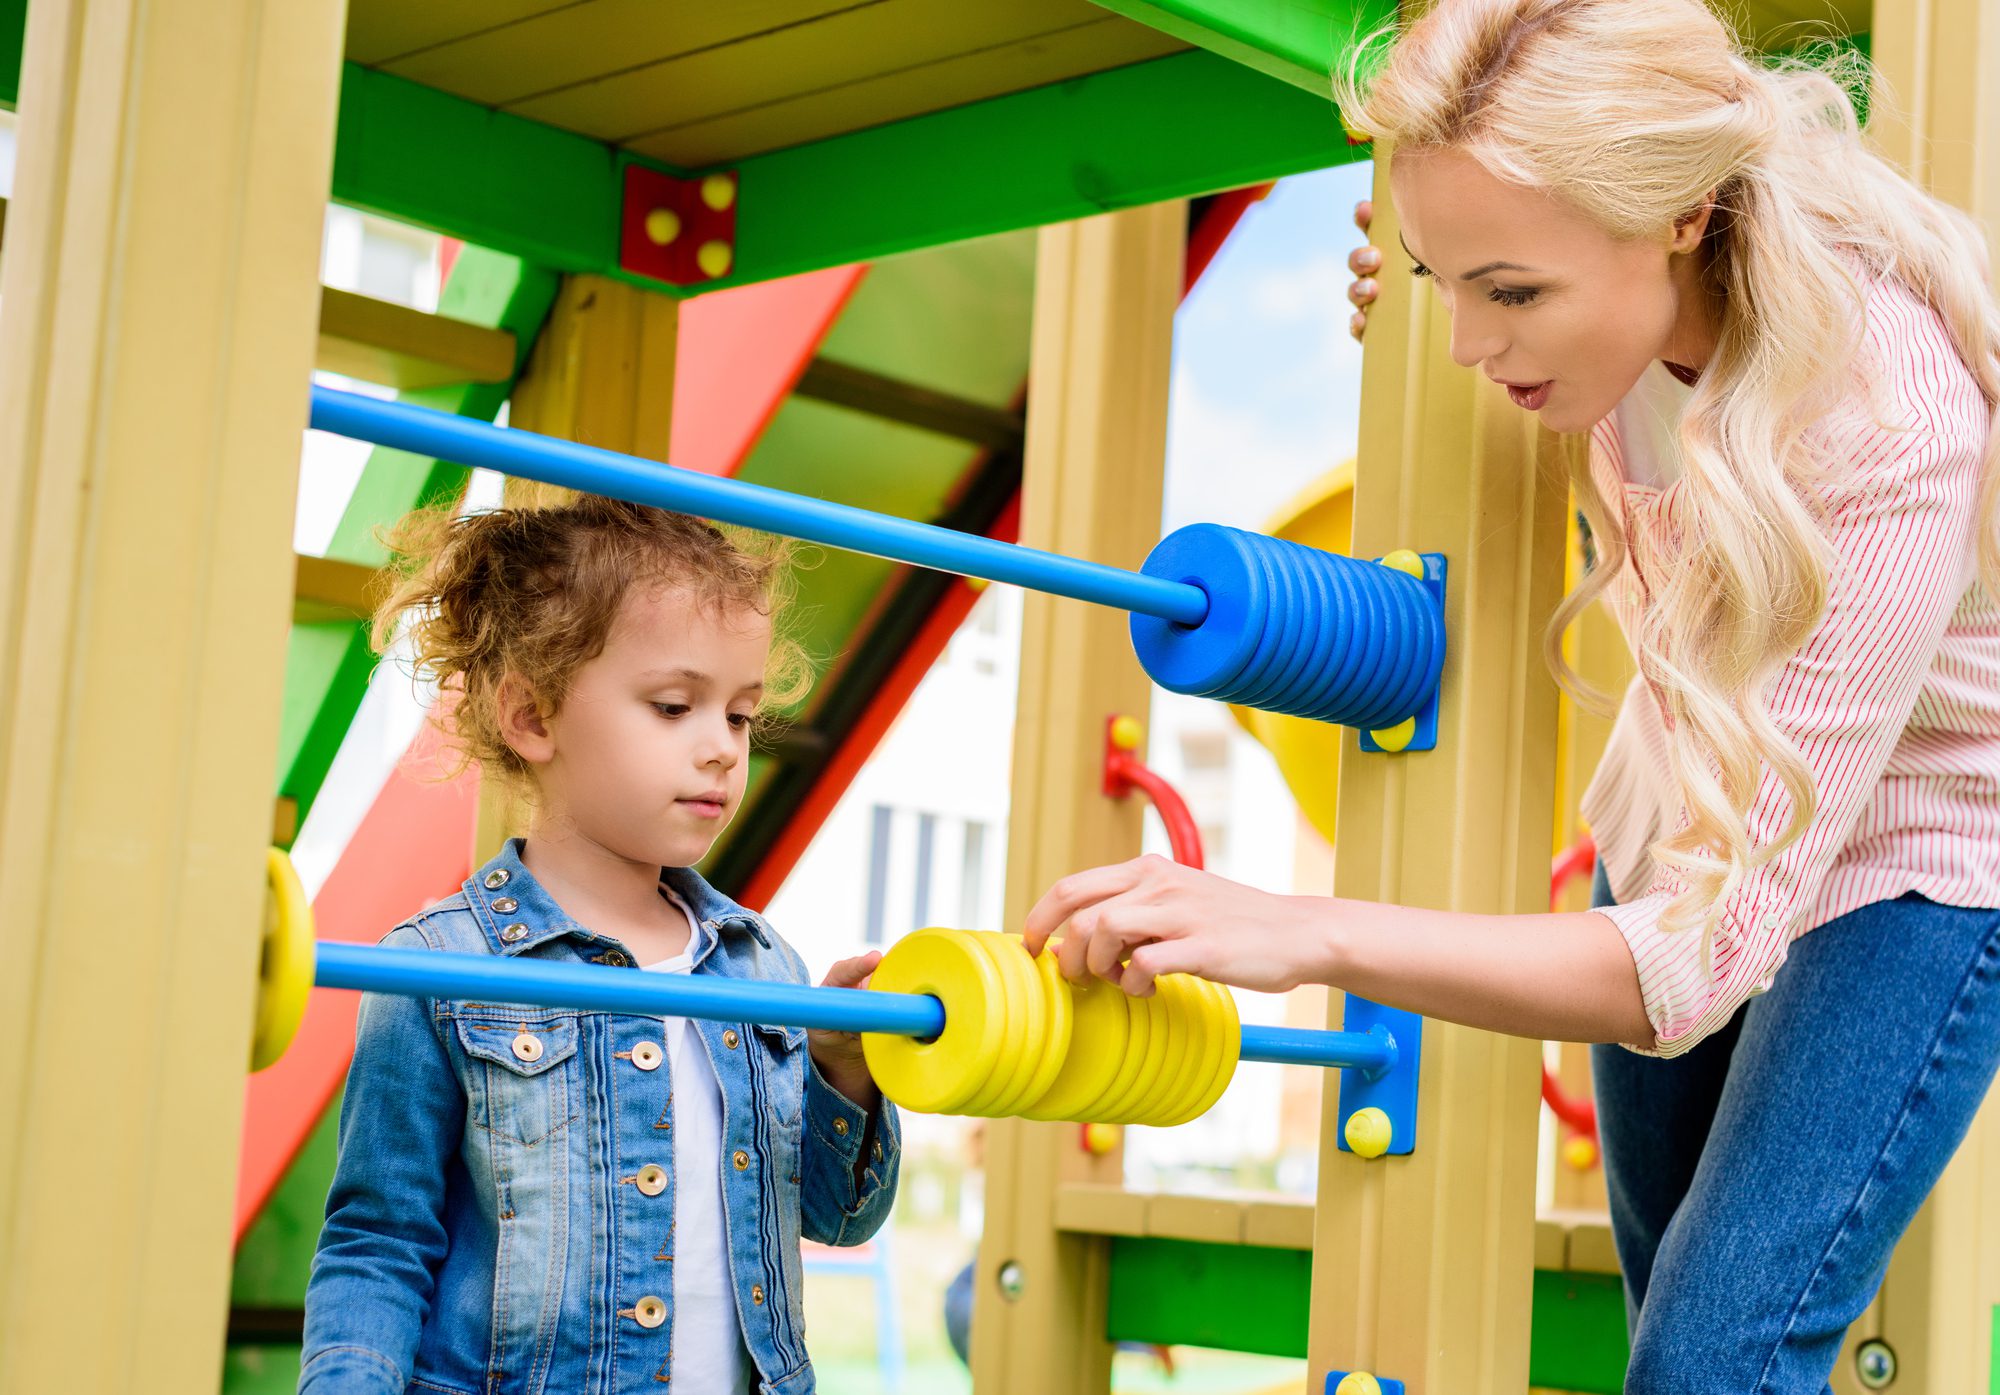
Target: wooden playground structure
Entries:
(166, 662)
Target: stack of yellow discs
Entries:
(1020, 1039)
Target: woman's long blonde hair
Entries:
(1632, 112)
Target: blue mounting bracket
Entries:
(1392, 1090)
(1383, 1384)
(1425, 737)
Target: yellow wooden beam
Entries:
(324, 588)
(381, 342)
(1423, 1264)
(159, 281)
(1105, 291)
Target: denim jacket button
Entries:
(740, 1160)
(652, 1179)
(528, 1047)
(505, 905)
(649, 1311)
(514, 933)
(840, 1127)
(757, 1294)
(729, 1039)
(646, 1055)
(497, 878)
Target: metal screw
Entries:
(1875, 1363)
(1012, 1280)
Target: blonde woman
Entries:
(1787, 357)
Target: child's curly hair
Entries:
(533, 593)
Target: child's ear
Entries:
(523, 724)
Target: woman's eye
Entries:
(1505, 297)
(1419, 269)
(671, 709)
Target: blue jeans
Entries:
(1759, 1183)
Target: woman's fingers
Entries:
(1363, 292)
(1357, 324)
(1364, 214)
(1072, 894)
(1365, 260)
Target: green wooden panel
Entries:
(1579, 1339)
(1993, 1357)
(1186, 1292)
(13, 34)
(1295, 41)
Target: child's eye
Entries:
(1517, 298)
(671, 709)
(743, 721)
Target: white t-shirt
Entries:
(708, 1349)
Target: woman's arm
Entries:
(1556, 977)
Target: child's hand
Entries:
(838, 1054)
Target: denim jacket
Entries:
(484, 1234)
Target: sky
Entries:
(1267, 382)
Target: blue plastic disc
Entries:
(1204, 658)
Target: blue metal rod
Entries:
(529, 456)
(483, 978)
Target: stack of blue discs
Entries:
(1293, 629)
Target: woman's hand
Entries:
(1365, 262)
(838, 1054)
(1132, 922)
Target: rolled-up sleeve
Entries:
(1903, 528)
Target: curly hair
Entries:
(533, 592)
(1632, 112)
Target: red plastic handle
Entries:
(1124, 772)
(1579, 1114)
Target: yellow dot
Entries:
(1358, 1383)
(1580, 1153)
(1127, 733)
(1398, 737)
(1099, 1139)
(1404, 560)
(718, 191)
(663, 225)
(1368, 1132)
(976, 584)
(714, 258)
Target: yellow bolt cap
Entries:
(1398, 737)
(1368, 1133)
(1099, 1139)
(714, 258)
(1358, 1383)
(718, 191)
(663, 225)
(1404, 560)
(1580, 1153)
(1127, 733)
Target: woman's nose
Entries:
(1474, 339)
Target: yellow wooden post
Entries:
(1422, 1264)
(1938, 1314)
(1105, 292)
(602, 373)
(161, 297)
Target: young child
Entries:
(540, 1200)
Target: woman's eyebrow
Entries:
(1476, 272)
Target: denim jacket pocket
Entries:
(783, 1070)
(527, 1089)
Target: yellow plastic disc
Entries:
(1012, 1007)
(1358, 1383)
(1031, 1016)
(1059, 1026)
(1138, 1034)
(1232, 1046)
(285, 975)
(1127, 1106)
(1202, 1048)
(1158, 1102)
(1100, 1026)
(939, 1076)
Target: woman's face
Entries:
(1541, 299)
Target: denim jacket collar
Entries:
(516, 914)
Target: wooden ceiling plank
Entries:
(542, 53)
(380, 30)
(847, 47)
(396, 346)
(877, 101)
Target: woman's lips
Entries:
(1530, 399)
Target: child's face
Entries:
(648, 754)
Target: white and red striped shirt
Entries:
(1894, 701)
